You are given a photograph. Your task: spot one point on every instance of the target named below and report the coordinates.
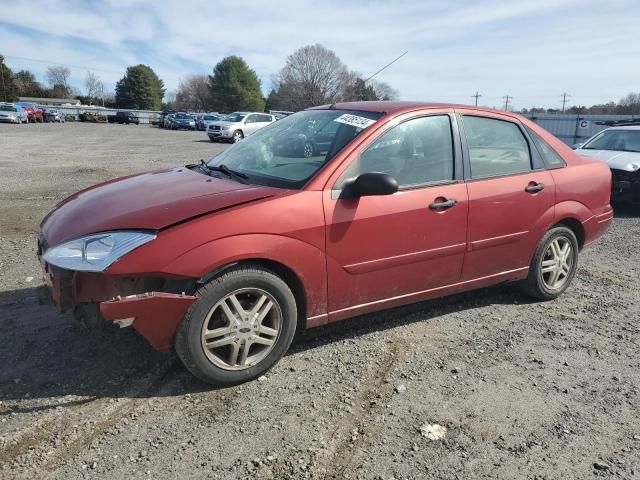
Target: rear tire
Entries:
(215, 329)
(553, 265)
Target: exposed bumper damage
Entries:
(625, 186)
(153, 306)
(155, 315)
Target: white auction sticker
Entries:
(354, 120)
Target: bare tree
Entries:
(193, 94)
(383, 90)
(94, 87)
(312, 75)
(58, 76)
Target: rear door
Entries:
(386, 249)
(511, 195)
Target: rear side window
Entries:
(548, 154)
(496, 147)
(265, 118)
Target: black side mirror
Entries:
(369, 184)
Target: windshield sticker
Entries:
(354, 120)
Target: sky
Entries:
(532, 50)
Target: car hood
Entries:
(615, 159)
(148, 201)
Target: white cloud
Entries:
(531, 49)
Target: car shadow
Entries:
(45, 355)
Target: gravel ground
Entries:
(523, 390)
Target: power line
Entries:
(476, 96)
(387, 65)
(49, 62)
(507, 101)
(565, 97)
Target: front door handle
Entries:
(443, 204)
(534, 187)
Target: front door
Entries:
(383, 248)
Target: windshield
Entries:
(618, 140)
(8, 108)
(234, 117)
(289, 152)
(210, 117)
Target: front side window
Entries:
(496, 147)
(415, 152)
(615, 139)
(288, 153)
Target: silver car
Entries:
(12, 114)
(619, 147)
(238, 125)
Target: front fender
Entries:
(305, 260)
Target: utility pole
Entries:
(476, 96)
(507, 101)
(565, 97)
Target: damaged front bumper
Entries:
(153, 306)
(625, 186)
(155, 315)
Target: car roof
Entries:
(627, 127)
(394, 107)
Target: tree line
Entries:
(627, 105)
(312, 75)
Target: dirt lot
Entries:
(525, 390)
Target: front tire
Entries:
(237, 136)
(553, 266)
(241, 325)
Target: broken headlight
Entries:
(96, 252)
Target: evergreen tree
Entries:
(235, 86)
(140, 89)
(8, 85)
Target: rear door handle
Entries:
(534, 187)
(445, 204)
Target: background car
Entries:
(53, 116)
(10, 113)
(124, 118)
(35, 114)
(162, 121)
(238, 125)
(207, 119)
(619, 147)
(182, 121)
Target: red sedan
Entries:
(225, 260)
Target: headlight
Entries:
(96, 252)
(226, 127)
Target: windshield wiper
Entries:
(237, 176)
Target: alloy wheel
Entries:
(308, 150)
(557, 263)
(241, 329)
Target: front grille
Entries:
(215, 128)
